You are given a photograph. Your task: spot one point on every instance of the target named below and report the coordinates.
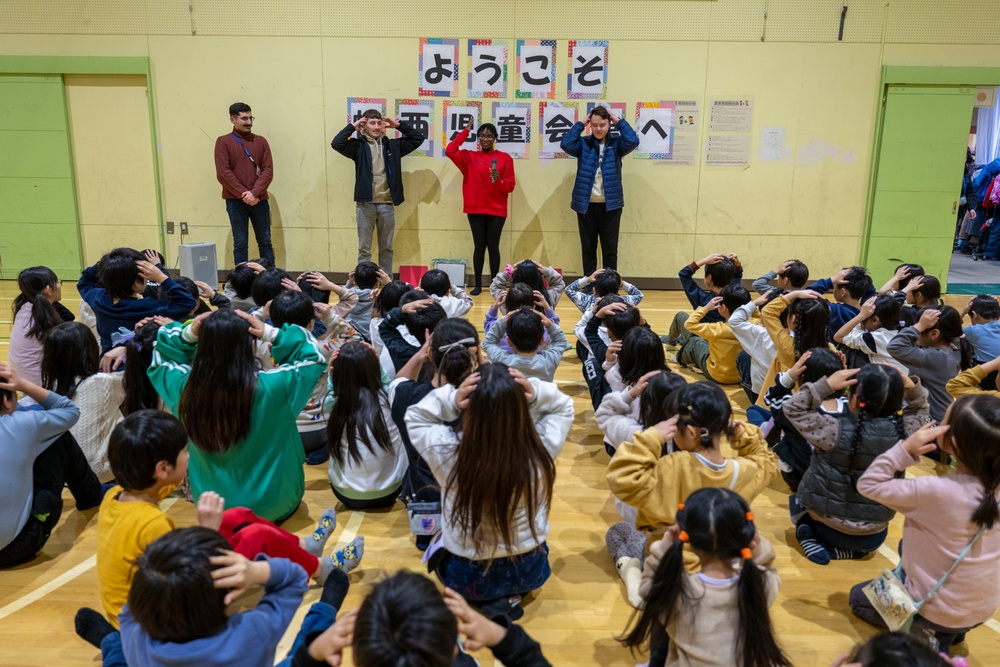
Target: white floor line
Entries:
(62, 579)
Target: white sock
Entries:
(630, 570)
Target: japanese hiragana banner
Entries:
(618, 109)
(488, 68)
(554, 121)
(419, 114)
(654, 123)
(457, 114)
(588, 70)
(513, 121)
(438, 67)
(536, 68)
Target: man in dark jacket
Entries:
(378, 184)
(598, 198)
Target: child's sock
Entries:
(316, 542)
(345, 560)
(92, 627)
(811, 547)
(335, 588)
(846, 554)
(630, 570)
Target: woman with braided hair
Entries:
(718, 616)
(839, 523)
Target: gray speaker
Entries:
(197, 262)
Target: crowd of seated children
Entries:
(543, 279)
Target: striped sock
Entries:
(813, 549)
(845, 554)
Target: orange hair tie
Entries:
(683, 536)
(680, 507)
(749, 516)
(746, 553)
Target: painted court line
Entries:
(63, 578)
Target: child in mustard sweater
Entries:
(712, 346)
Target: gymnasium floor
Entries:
(576, 614)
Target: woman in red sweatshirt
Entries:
(487, 179)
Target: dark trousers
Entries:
(482, 581)
(370, 503)
(61, 464)
(259, 215)
(598, 223)
(744, 363)
(486, 231)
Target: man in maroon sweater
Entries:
(243, 166)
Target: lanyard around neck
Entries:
(235, 136)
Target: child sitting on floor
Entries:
(453, 299)
(524, 329)
(712, 347)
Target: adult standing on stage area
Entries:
(243, 166)
(487, 179)
(378, 178)
(598, 197)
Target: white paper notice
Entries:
(731, 116)
(654, 130)
(535, 68)
(772, 144)
(687, 125)
(727, 150)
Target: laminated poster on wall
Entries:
(457, 114)
(687, 129)
(418, 114)
(730, 123)
(618, 109)
(437, 67)
(654, 123)
(356, 106)
(588, 69)
(536, 69)
(513, 123)
(488, 68)
(554, 120)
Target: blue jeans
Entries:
(320, 617)
(757, 415)
(744, 363)
(484, 581)
(260, 216)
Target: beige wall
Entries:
(296, 62)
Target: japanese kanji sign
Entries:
(536, 68)
(438, 67)
(457, 114)
(618, 109)
(588, 70)
(419, 114)
(513, 121)
(554, 121)
(487, 68)
(654, 123)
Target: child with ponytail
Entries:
(796, 321)
(839, 523)
(36, 310)
(934, 350)
(719, 616)
(139, 391)
(943, 515)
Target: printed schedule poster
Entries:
(730, 115)
(727, 150)
(687, 129)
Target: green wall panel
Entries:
(42, 200)
(32, 104)
(54, 246)
(35, 154)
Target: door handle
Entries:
(954, 208)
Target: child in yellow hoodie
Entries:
(656, 485)
(712, 346)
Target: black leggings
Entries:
(486, 231)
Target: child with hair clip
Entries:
(525, 329)
(387, 298)
(796, 321)
(793, 450)
(718, 616)
(934, 350)
(496, 471)
(70, 368)
(242, 422)
(884, 407)
(367, 457)
(453, 352)
(641, 476)
(543, 279)
(519, 296)
(943, 517)
(36, 310)
(870, 331)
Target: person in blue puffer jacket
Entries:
(598, 197)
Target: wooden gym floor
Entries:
(576, 614)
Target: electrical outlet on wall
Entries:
(170, 226)
(184, 228)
